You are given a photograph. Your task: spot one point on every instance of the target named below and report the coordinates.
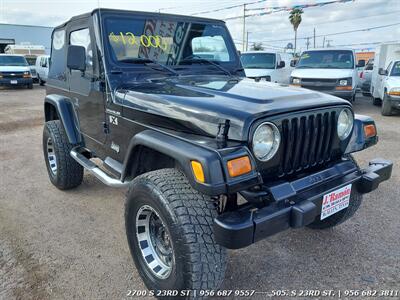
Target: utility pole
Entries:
(247, 41)
(314, 37)
(323, 43)
(244, 26)
(308, 42)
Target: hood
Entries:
(322, 73)
(14, 68)
(199, 104)
(393, 82)
(258, 72)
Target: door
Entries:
(382, 80)
(85, 89)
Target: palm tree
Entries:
(295, 20)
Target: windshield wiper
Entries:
(196, 58)
(147, 62)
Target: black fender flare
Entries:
(66, 114)
(358, 141)
(183, 152)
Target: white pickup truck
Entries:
(385, 83)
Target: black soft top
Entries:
(141, 13)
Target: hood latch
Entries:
(222, 135)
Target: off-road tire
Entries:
(188, 215)
(376, 101)
(343, 215)
(387, 109)
(69, 173)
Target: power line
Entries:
(289, 8)
(228, 7)
(344, 20)
(335, 33)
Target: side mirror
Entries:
(382, 71)
(76, 58)
(281, 65)
(293, 63)
(361, 63)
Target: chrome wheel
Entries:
(154, 242)
(51, 156)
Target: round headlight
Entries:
(296, 81)
(266, 140)
(345, 123)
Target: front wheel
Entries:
(64, 172)
(387, 109)
(170, 235)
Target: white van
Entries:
(267, 65)
(15, 71)
(328, 70)
(30, 52)
(42, 68)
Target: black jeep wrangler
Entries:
(159, 104)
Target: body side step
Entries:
(76, 153)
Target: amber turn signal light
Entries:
(198, 171)
(369, 130)
(344, 88)
(239, 166)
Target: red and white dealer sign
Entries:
(335, 201)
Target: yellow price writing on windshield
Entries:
(147, 41)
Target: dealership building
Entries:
(25, 34)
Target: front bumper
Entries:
(19, 81)
(341, 94)
(296, 203)
(394, 101)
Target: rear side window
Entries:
(82, 38)
(57, 74)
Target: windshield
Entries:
(327, 59)
(396, 69)
(167, 41)
(31, 60)
(6, 60)
(258, 60)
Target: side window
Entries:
(82, 38)
(58, 65)
(210, 47)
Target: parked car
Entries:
(365, 78)
(42, 68)
(328, 70)
(267, 65)
(381, 79)
(15, 71)
(187, 135)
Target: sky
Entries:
(273, 30)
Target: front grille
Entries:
(12, 75)
(307, 141)
(319, 84)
